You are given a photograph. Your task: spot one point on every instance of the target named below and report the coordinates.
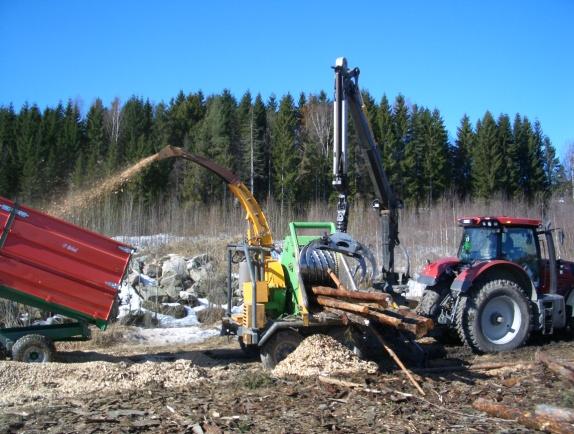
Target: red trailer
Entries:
(59, 267)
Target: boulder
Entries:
(199, 261)
(174, 266)
(175, 310)
(172, 284)
(152, 270)
(199, 274)
(156, 293)
(189, 298)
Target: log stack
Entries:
(374, 306)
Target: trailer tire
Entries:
(33, 349)
(279, 346)
(496, 317)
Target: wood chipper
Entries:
(298, 286)
(60, 268)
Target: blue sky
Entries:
(458, 56)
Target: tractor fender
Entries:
(486, 270)
(434, 271)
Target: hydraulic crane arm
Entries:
(259, 233)
(348, 96)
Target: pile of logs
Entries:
(376, 306)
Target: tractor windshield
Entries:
(479, 244)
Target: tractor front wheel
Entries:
(431, 299)
(496, 317)
(279, 346)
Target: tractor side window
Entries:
(478, 244)
(519, 246)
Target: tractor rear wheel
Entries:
(496, 317)
(33, 349)
(279, 346)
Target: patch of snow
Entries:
(146, 280)
(149, 240)
(415, 289)
(169, 336)
(130, 300)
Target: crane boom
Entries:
(348, 96)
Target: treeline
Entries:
(281, 148)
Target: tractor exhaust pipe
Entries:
(552, 264)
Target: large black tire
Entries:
(33, 349)
(495, 317)
(279, 346)
(431, 299)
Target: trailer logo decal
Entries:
(70, 248)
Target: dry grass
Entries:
(113, 335)
(426, 233)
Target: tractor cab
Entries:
(502, 238)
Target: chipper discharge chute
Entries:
(58, 267)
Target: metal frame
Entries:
(77, 331)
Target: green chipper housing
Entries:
(58, 267)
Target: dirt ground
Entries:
(214, 387)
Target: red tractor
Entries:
(504, 283)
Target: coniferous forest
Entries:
(280, 147)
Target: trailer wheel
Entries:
(496, 317)
(33, 349)
(279, 346)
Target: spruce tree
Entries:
(396, 153)
(97, 141)
(284, 153)
(412, 163)
(507, 174)
(487, 161)
(8, 168)
(462, 158)
(30, 155)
